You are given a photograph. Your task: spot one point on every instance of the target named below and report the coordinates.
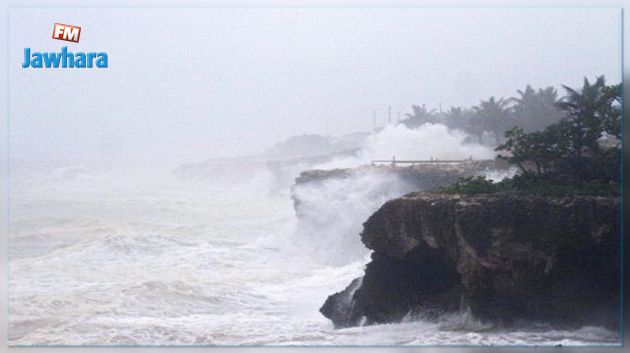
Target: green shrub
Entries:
(471, 185)
(531, 184)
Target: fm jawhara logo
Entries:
(65, 32)
(64, 58)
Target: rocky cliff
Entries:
(505, 257)
(331, 205)
(427, 176)
(420, 177)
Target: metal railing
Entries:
(394, 161)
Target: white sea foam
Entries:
(426, 142)
(99, 258)
(331, 213)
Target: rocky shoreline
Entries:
(426, 176)
(507, 258)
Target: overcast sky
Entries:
(184, 85)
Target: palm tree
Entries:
(456, 118)
(421, 115)
(492, 115)
(590, 112)
(535, 110)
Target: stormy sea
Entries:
(106, 257)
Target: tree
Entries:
(542, 149)
(457, 118)
(570, 150)
(421, 115)
(476, 125)
(590, 113)
(492, 115)
(612, 111)
(534, 110)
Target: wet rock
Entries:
(506, 257)
(426, 176)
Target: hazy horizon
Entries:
(185, 85)
(412, 235)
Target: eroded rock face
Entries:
(331, 205)
(507, 257)
(420, 177)
(426, 176)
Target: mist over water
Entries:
(143, 210)
(105, 257)
(423, 143)
(333, 212)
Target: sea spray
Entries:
(426, 142)
(115, 260)
(497, 175)
(423, 143)
(102, 258)
(331, 213)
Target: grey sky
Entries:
(188, 84)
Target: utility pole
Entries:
(389, 115)
(398, 117)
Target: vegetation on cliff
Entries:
(542, 246)
(578, 155)
(531, 110)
